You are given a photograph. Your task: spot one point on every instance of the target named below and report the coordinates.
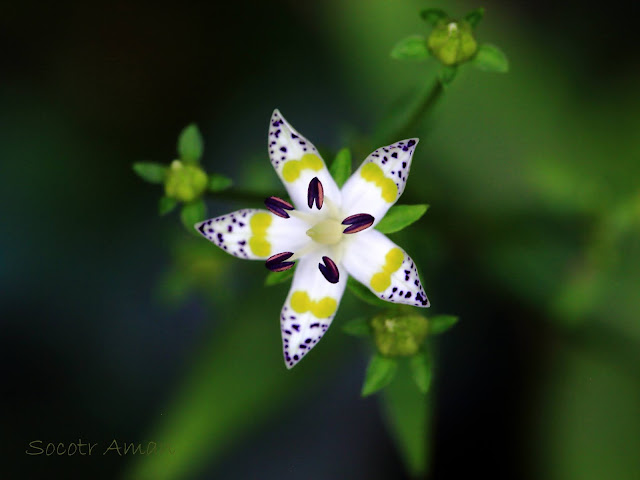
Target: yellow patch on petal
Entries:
(393, 261)
(323, 308)
(292, 169)
(300, 301)
(380, 282)
(258, 242)
(371, 172)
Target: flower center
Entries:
(326, 232)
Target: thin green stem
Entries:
(429, 99)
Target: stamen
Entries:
(329, 270)
(357, 222)
(315, 193)
(277, 263)
(278, 207)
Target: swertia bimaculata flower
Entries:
(327, 231)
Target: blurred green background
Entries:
(117, 324)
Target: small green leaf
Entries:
(341, 167)
(193, 213)
(446, 74)
(218, 183)
(380, 372)
(274, 278)
(166, 205)
(411, 48)
(474, 16)
(433, 15)
(358, 327)
(441, 323)
(190, 145)
(490, 58)
(364, 294)
(150, 172)
(421, 371)
(401, 216)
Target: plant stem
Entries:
(429, 99)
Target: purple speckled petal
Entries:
(301, 328)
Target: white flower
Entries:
(327, 231)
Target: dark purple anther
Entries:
(277, 263)
(357, 222)
(277, 206)
(315, 193)
(329, 270)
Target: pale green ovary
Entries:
(326, 232)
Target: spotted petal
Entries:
(379, 181)
(255, 234)
(309, 309)
(375, 261)
(297, 162)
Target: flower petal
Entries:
(311, 304)
(379, 181)
(297, 162)
(378, 263)
(255, 234)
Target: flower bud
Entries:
(185, 182)
(452, 42)
(399, 336)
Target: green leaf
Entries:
(193, 213)
(151, 172)
(364, 294)
(421, 371)
(411, 48)
(218, 183)
(274, 278)
(380, 372)
(446, 74)
(474, 16)
(433, 15)
(341, 167)
(166, 205)
(407, 414)
(401, 216)
(190, 145)
(441, 323)
(490, 58)
(358, 327)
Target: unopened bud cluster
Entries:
(185, 182)
(452, 42)
(399, 336)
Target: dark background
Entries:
(111, 316)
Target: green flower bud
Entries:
(452, 42)
(399, 336)
(185, 182)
